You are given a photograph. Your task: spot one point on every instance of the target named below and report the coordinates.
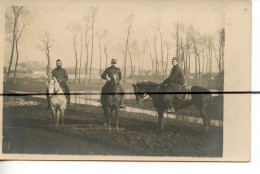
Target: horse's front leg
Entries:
(204, 116)
(53, 115)
(62, 118)
(57, 117)
(109, 117)
(116, 117)
(161, 119)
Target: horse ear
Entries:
(133, 84)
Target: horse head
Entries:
(53, 86)
(113, 84)
(141, 89)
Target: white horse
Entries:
(57, 100)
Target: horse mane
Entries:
(146, 83)
(148, 86)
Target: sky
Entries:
(57, 17)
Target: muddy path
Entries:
(28, 129)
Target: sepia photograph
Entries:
(123, 80)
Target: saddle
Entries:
(182, 89)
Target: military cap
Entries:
(175, 58)
(113, 61)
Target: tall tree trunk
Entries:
(92, 49)
(80, 55)
(76, 59)
(100, 62)
(16, 62)
(126, 50)
(13, 45)
(131, 63)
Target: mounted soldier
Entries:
(62, 77)
(173, 84)
(109, 74)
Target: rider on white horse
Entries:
(62, 77)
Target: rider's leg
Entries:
(122, 105)
(48, 98)
(67, 91)
(168, 98)
(102, 95)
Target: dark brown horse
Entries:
(200, 97)
(112, 102)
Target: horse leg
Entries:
(62, 118)
(204, 115)
(57, 117)
(53, 114)
(109, 118)
(161, 120)
(105, 115)
(116, 117)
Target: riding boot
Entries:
(67, 93)
(48, 98)
(68, 100)
(122, 105)
(170, 107)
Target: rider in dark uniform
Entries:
(173, 84)
(108, 75)
(62, 77)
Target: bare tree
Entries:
(106, 45)
(80, 55)
(143, 58)
(12, 20)
(100, 38)
(150, 54)
(93, 19)
(220, 57)
(87, 41)
(168, 44)
(155, 54)
(158, 28)
(129, 21)
(17, 38)
(45, 46)
(75, 30)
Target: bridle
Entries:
(55, 91)
(143, 98)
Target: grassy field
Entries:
(28, 129)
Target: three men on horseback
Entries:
(173, 84)
(62, 76)
(110, 73)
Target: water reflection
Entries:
(85, 97)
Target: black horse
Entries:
(111, 102)
(200, 97)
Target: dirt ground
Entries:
(28, 129)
